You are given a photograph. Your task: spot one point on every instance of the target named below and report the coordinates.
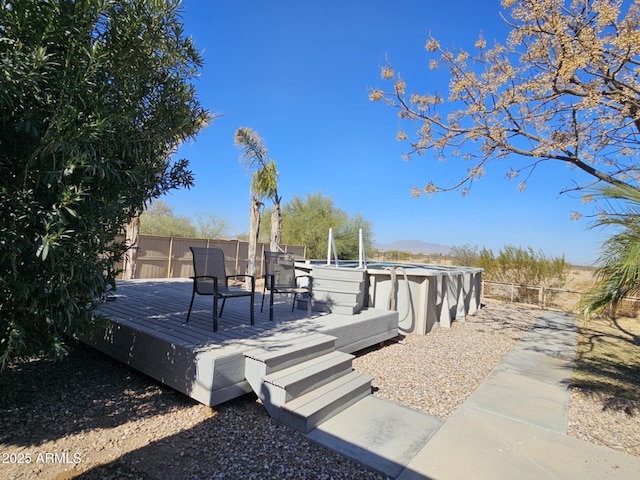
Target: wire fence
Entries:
(549, 298)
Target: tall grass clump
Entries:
(524, 267)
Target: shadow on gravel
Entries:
(608, 364)
(240, 441)
(42, 400)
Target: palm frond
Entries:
(252, 148)
(618, 276)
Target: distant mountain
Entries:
(414, 246)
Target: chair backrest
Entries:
(208, 262)
(282, 267)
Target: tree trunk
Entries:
(131, 240)
(254, 231)
(276, 228)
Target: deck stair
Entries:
(338, 290)
(305, 382)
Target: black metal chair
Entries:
(210, 278)
(280, 277)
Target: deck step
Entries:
(353, 288)
(337, 297)
(261, 362)
(289, 383)
(282, 356)
(305, 381)
(331, 272)
(306, 412)
(344, 308)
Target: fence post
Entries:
(169, 275)
(237, 256)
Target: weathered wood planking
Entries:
(147, 330)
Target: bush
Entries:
(464, 255)
(95, 98)
(523, 267)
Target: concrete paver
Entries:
(513, 426)
(473, 444)
(377, 433)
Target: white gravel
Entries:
(435, 373)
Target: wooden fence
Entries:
(170, 257)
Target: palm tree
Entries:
(264, 184)
(619, 273)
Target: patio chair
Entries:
(210, 278)
(280, 277)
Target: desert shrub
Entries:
(465, 255)
(523, 267)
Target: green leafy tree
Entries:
(209, 225)
(307, 222)
(96, 96)
(160, 220)
(563, 88)
(619, 273)
(348, 237)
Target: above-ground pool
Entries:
(424, 296)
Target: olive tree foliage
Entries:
(95, 96)
(307, 222)
(563, 87)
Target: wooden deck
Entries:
(148, 331)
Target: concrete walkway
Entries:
(513, 426)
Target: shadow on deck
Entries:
(148, 331)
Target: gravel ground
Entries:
(90, 417)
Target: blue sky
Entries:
(298, 72)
